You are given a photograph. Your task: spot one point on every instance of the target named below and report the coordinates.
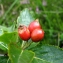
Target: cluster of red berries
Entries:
(34, 32)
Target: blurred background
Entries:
(49, 12)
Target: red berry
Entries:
(37, 35)
(34, 25)
(24, 33)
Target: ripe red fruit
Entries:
(24, 33)
(37, 35)
(33, 25)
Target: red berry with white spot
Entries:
(24, 33)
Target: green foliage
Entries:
(3, 59)
(44, 53)
(8, 37)
(25, 17)
(50, 15)
(17, 55)
(38, 60)
(49, 53)
(3, 46)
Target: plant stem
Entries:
(58, 39)
(25, 44)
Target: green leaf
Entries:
(17, 55)
(38, 60)
(25, 17)
(3, 29)
(14, 53)
(7, 29)
(26, 57)
(8, 37)
(8, 34)
(33, 44)
(3, 46)
(49, 53)
(3, 59)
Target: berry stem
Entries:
(25, 44)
